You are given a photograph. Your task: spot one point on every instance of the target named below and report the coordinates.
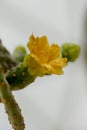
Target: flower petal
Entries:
(37, 45)
(61, 62)
(53, 70)
(53, 52)
(34, 68)
(43, 58)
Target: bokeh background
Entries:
(52, 102)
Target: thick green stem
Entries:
(11, 107)
(19, 78)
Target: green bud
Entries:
(71, 51)
(19, 53)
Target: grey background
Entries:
(53, 102)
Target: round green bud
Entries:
(71, 51)
(19, 54)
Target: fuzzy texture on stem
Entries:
(11, 106)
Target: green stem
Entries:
(6, 59)
(11, 107)
(19, 78)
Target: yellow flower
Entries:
(43, 58)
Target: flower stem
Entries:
(11, 107)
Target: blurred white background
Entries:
(53, 102)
